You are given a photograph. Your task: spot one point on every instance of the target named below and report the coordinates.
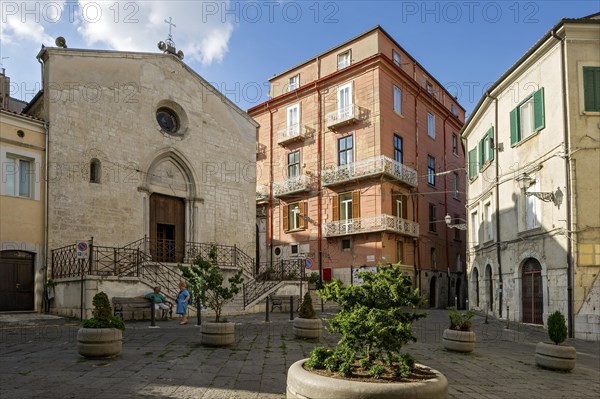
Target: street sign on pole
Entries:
(83, 250)
(308, 263)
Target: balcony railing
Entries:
(368, 168)
(291, 186)
(262, 193)
(290, 133)
(371, 224)
(342, 116)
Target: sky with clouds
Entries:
(238, 45)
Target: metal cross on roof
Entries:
(171, 25)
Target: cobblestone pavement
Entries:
(38, 359)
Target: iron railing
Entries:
(367, 168)
(292, 185)
(347, 114)
(269, 275)
(371, 224)
(289, 133)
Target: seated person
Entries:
(160, 302)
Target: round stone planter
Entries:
(302, 384)
(307, 328)
(217, 334)
(312, 286)
(99, 342)
(555, 357)
(459, 341)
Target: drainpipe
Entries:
(417, 254)
(446, 211)
(497, 201)
(570, 270)
(319, 189)
(270, 212)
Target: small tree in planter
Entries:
(307, 325)
(206, 280)
(459, 337)
(102, 335)
(556, 356)
(374, 322)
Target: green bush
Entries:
(557, 327)
(317, 357)
(306, 310)
(365, 363)
(376, 371)
(313, 278)
(102, 314)
(205, 279)
(460, 321)
(374, 320)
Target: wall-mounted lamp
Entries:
(526, 181)
(459, 226)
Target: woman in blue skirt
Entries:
(182, 302)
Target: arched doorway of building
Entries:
(16, 281)
(475, 280)
(432, 293)
(458, 294)
(490, 287)
(533, 294)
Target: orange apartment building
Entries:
(358, 162)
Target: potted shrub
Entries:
(459, 337)
(556, 356)
(206, 281)
(307, 325)
(101, 336)
(374, 322)
(313, 280)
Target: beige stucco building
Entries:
(22, 216)
(534, 183)
(141, 150)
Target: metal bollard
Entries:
(152, 313)
(199, 311)
(291, 307)
(267, 309)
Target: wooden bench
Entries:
(135, 308)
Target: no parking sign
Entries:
(308, 263)
(82, 250)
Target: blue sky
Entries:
(237, 46)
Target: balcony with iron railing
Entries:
(343, 116)
(262, 194)
(289, 134)
(291, 186)
(371, 224)
(370, 167)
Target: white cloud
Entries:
(200, 32)
(17, 28)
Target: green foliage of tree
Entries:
(557, 327)
(306, 310)
(206, 281)
(102, 314)
(375, 317)
(460, 321)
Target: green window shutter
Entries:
(538, 110)
(514, 126)
(473, 163)
(481, 153)
(591, 89)
(490, 136)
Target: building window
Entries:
(429, 87)
(345, 150)
(399, 205)
(432, 218)
(18, 177)
(455, 185)
(454, 144)
(344, 59)
(457, 231)
(293, 216)
(293, 119)
(397, 100)
(433, 257)
(430, 170)
(399, 251)
(398, 155)
(532, 206)
(293, 164)
(95, 170)
(431, 125)
(591, 89)
(486, 148)
(489, 227)
(396, 57)
(473, 165)
(346, 207)
(454, 111)
(474, 228)
(294, 82)
(346, 245)
(345, 108)
(527, 117)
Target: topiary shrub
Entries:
(306, 310)
(374, 322)
(557, 327)
(102, 314)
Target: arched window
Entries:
(95, 171)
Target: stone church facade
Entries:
(141, 146)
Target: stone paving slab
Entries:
(38, 359)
